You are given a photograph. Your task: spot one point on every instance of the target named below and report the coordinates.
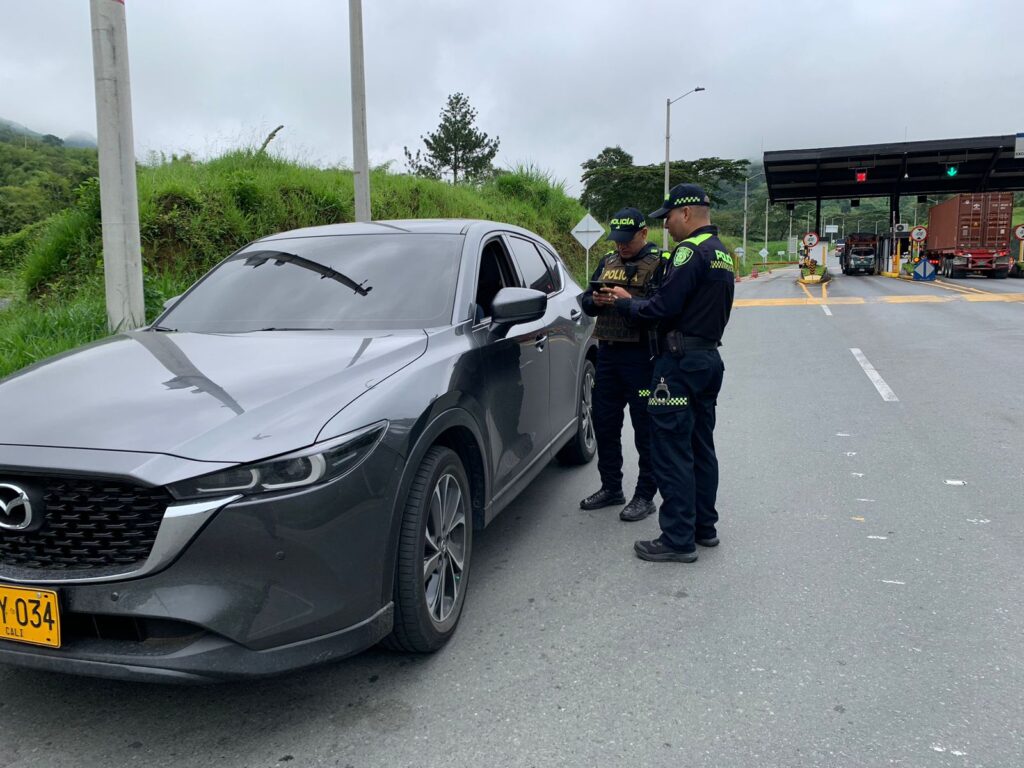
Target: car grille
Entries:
(88, 524)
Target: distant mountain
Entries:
(80, 140)
(77, 140)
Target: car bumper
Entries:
(269, 584)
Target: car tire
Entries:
(583, 446)
(437, 524)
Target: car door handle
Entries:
(575, 315)
(540, 341)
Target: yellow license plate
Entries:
(29, 616)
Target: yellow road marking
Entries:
(923, 299)
(914, 299)
(960, 288)
(994, 297)
(824, 291)
(804, 287)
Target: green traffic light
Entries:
(951, 171)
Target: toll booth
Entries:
(887, 247)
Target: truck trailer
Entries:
(970, 234)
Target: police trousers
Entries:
(683, 395)
(622, 370)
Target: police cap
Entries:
(625, 224)
(680, 195)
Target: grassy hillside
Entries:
(194, 214)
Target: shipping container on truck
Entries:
(970, 234)
(860, 249)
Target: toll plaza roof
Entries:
(984, 164)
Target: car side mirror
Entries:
(172, 301)
(512, 306)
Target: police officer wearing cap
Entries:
(691, 309)
(623, 363)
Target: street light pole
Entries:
(745, 181)
(766, 223)
(668, 133)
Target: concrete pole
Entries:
(664, 231)
(766, 223)
(119, 197)
(744, 258)
(360, 152)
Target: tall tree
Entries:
(456, 149)
(611, 181)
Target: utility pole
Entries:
(668, 117)
(360, 152)
(119, 197)
(766, 223)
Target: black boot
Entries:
(637, 509)
(603, 498)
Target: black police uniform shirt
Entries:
(695, 297)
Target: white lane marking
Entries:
(883, 389)
(827, 310)
(869, 500)
(888, 581)
(851, 453)
(955, 482)
(857, 474)
(977, 521)
(842, 434)
(880, 538)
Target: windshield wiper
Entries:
(163, 329)
(259, 258)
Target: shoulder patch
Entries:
(723, 256)
(682, 256)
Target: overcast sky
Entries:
(556, 80)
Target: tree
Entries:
(611, 181)
(456, 148)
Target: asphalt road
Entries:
(861, 610)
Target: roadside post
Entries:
(587, 232)
(1018, 233)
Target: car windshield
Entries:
(388, 281)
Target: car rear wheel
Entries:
(583, 446)
(434, 551)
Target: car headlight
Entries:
(310, 466)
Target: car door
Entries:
(515, 396)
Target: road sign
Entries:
(1018, 148)
(1019, 232)
(792, 246)
(763, 253)
(918, 234)
(924, 270)
(831, 229)
(588, 231)
(740, 252)
(810, 239)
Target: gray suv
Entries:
(288, 466)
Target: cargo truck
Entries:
(970, 234)
(860, 250)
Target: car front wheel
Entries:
(583, 446)
(434, 551)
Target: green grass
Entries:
(193, 214)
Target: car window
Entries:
(386, 281)
(532, 267)
(552, 261)
(495, 273)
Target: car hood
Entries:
(208, 397)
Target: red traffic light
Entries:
(860, 176)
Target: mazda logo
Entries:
(15, 508)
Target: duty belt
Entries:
(676, 343)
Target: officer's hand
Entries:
(617, 292)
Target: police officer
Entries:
(691, 308)
(623, 364)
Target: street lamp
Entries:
(745, 181)
(668, 113)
